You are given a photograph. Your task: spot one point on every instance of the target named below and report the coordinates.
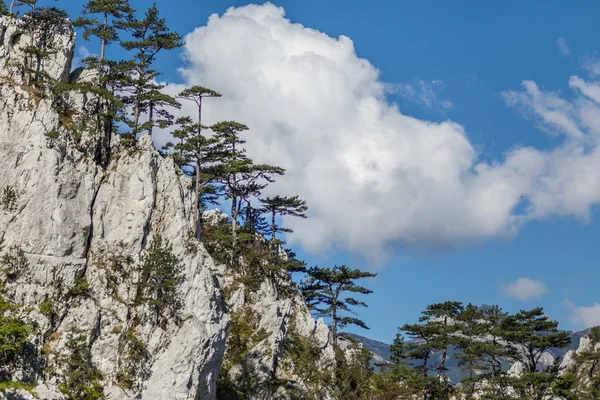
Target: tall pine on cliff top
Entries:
(102, 28)
(240, 177)
(151, 35)
(193, 142)
(325, 290)
(198, 154)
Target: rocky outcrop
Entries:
(287, 332)
(78, 215)
(80, 224)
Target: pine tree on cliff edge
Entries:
(323, 292)
(151, 35)
(103, 29)
(196, 143)
(279, 205)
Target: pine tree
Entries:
(3, 8)
(40, 23)
(150, 36)
(441, 317)
(473, 327)
(493, 349)
(240, 177)
(159, 281)
(278, 205)
(529, 334)
(323, 292)
(435, 332)
(199, 154)
(198, 143)
(103, 29)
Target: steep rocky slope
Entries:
(80, 212)
(75, 220)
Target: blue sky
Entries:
(446, 61)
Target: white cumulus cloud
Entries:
(422, 92)
(525, 289)
(372, 176)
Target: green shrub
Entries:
(80, 378)
(47, 307)
(81, 287)
(14, 263)
(159, 285)
(14, 335)
(134, 361)
(9, 198)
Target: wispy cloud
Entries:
(585, 316)
(592, 65)
(82, 53)
(563, 46)
(472, 79)
(422, 92)
(525, 289)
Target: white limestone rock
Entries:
(72, 214)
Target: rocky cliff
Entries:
(78, 215)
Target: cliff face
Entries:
(80, 224)
(80, 213)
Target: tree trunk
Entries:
(334, 324)
(136, 120)
(273, 227)
(233, 225)
(151, 118)
(12, 4)
(197, 229)
(197, 215)
(103, 41)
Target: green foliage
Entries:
(118, 267)
(239, 176)
(242, 336)
(279, 205)
(80, 379)
(482, 338)
(159, 285)
(81, 287)
(149, 36)
(47, 307)
(306, 361)
(352, 372)
(134, 361)
(563, 386)
(9, 199)
(533, 332)
(228, 390)
(3, 8)
(14, 263)
(12, 385)
(103, 29)
(14, 334)
(323, 292)
(198, 156)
